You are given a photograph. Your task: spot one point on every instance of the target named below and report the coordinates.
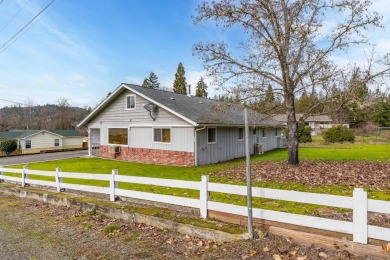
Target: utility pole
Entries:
(248, 176)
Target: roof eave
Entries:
(162, 106)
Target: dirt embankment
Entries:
(34, 230)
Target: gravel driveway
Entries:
(22, 159)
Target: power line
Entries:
(6, 100)
(16, 14)
(4, 46)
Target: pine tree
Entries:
(201, 88)
(146, 83)
(153, 80)
(180, 84)
(269, 95)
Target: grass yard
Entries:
(373, 153)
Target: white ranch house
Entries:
(37, 141)
(154, 126)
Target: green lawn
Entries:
(370, 152)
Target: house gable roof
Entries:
(195, 110)
(22, 134)
(319, 118)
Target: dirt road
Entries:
(34, 230)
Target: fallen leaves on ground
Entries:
(374, 175)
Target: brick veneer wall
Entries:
(154, 156)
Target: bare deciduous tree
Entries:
(288, 45)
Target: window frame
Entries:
(162, 128)
(254, 131)
(264, 133)
(243, 134)
(29, 145)
(114, 127)
(215, 129)
(135, 101)
(276, 132)
(56, 143)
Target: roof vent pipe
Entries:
(189, 90)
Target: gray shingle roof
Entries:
(68, 133)
(204, 111)
(19, 134)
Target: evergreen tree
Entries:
(180, 84)
(146, 83)
(269, 95)
(201, 88)
(153, 80)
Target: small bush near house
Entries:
(339, 134)
(8, 146)
(304, 134)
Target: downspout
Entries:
(89, 141)
(196, 137)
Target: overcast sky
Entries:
(83, 49)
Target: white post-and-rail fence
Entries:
(359, 203)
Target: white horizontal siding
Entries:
(72, 141)
(182, 139)
(115, 112)
(41, 140)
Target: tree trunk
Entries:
(292, 125)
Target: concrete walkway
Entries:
(23, 159)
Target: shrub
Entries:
(8, 146)
(110, 228)
(338, 134)
(304, 134)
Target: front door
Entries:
(95, 141)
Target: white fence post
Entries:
(24, 176)
(360, 227)
(58, 180)
(113, 184)
(204, 196)
(1, 173)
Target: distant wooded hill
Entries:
(50, 117)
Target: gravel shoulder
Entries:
(34, 230)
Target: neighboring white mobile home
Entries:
(154, 126)
(36, 141)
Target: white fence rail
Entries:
(359, 203)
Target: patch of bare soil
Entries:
(373, 175)
(34, 230)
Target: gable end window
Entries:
(56, 142)
(211, 135)
(240, 134)
(118, 136)
(28, 144)
(162, 135)
(130, 102)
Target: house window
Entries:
(276, 132)
(28, 144)
(130, 102)
(254, 131)
(240, 133)
(56, 142)
(264, 132)
(211, 135)
(162, 135)
(118, 136)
